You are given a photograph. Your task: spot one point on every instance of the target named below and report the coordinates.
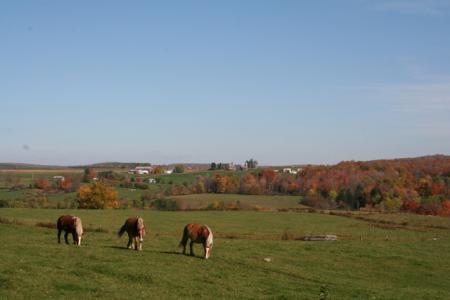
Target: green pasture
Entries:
(372, 259)
(261, 202)
(190, 177)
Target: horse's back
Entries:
(64, 221)
(134, 224)
(197, 232)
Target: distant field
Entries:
(26, 176)
(270, 202)
(38, 171)
(367, 262)
(190, 177)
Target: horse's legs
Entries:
(65, 237)
(204, 249)
(137, 243)
(74, 237)
(59, 236)
(192, 248)
(130, 242)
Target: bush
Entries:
(165, 204)
(142, 186)
(316, 200)
(410, 205)
(97, 195)
(178, 169)
(392, 203)
(41, 183)
(4, 203)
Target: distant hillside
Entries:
(22, 166)
(433, 159)
(131, 165)
(114, 165)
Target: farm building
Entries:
(141, 170)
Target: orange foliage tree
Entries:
(41, 183)
(158, 170)
(66, 184)
(97, 195)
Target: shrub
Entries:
(392, 203)
(410, 205)
(142, 186)
(165, 204)
(97, 195)
(178, 169)
(41, 183)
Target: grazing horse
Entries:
(136, 231)
(70, 224)
(197, 234)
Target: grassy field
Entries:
(263, 202)
(373, 259)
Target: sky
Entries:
(283, 82)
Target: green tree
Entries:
(251, 163)
(178, 169)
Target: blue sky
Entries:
(200, 81)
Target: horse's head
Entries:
(78, 230)
(141, 229)
(209, 243)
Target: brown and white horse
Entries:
(70, 224)
(135, 228)
(197, 234)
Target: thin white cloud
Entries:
(425, 106)
(429, 97)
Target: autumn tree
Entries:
(97, 195)
(66, 184)
(89, 174)
(41, 183)
(158, 170)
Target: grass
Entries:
(190, 177)
(264, 202)
(367, 262)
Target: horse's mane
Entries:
(209, 240)
(140, 223)
(78, 226)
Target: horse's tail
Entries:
(59, 223)
(185, 237)
(122, 230)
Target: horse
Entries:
(70, 224)
(135, 228)
(197, 234)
